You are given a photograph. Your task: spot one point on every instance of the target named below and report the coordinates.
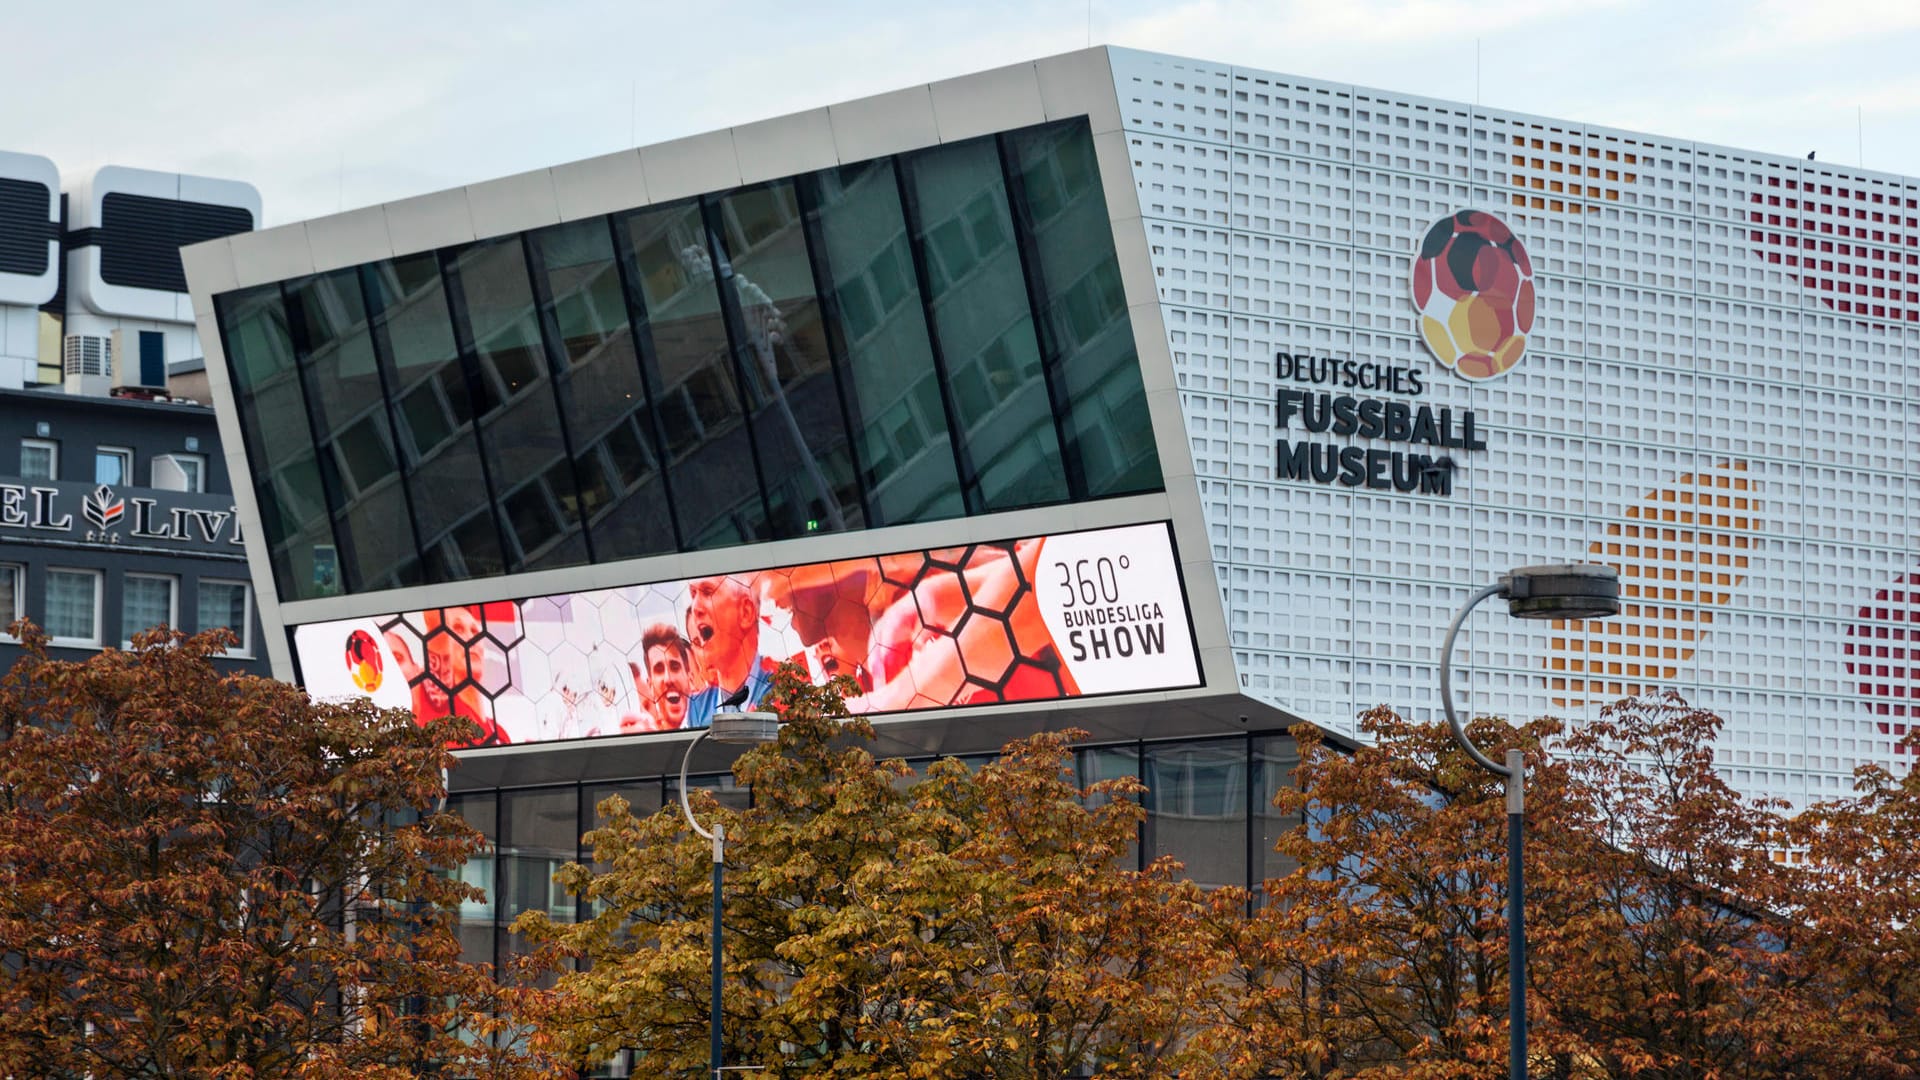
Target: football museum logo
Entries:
(1473, 288)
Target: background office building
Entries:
(1166, 399)
(115, 505)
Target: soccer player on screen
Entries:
(723, 624)
(667, 669)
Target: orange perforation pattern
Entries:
(1683, 545)
(1601, 175)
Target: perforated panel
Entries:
(1720, 395)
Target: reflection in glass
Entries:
(622, 490)
(350, 414)
(716, 490)
(1275, 757)
(451, 499)
(279, 440)
(73, 605)
(146, 601)
(978, 295)
(1083, 310)
(520, 428)
(1108, 763)
(478, 917)
(1197, 808)
(539, 833)
(906, 339)
(893, 384)
(111, 467)
(794, 407)
(724, 788)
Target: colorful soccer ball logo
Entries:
(363, 661)
(1473, 284)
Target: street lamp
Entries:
(739, 728)
(1532, 592)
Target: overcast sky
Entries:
(332, 106)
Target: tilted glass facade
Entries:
(925, 336)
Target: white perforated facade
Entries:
(1717, 396)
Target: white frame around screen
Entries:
(1087, 671)
(244, 650)
(99, 599)
(173, 603)
(52, 447)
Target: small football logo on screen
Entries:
(1473, 286)
(363, 661)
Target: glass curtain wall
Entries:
(333, 340)
(975, 287)
(1082, 310)
(279, 442)
(432, 403)
(718, 497)
(907, 339)
(909, 462)
(497, 321)
(604, 401)
(1209, 804)
(792, 391)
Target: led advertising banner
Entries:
(1041, 618)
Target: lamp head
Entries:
(744, 728)
(1574, 591)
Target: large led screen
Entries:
(1050, 617)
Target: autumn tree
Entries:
(1666, 926)
(964, 924)
(1675, 928)
(207, 875)
(1860, 911)
(1384, 951)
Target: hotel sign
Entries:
(66, 512)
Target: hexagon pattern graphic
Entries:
(955, 627)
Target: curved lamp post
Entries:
(739, 728)
(1532, 592)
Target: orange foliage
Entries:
(212, 876)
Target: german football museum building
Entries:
(1165, 399)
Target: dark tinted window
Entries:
(433, 412)
(702, 413)
(349, 406)
(792, 398)
(907, 339)
(279, 439)
(520, 432)
(603, 396)
(978, 293)
(1083, 311)
(897, 411)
